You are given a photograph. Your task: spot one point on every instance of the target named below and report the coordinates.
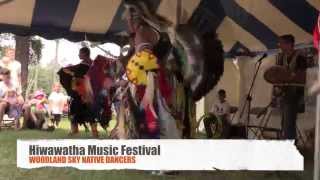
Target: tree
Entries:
(23, 55)
(28, 52)
(6, 40)
(40, 78)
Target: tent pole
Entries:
(317, 132)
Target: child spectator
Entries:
(56, 104)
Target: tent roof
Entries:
(239, 23)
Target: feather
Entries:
(147, 100)
(168, 126)
(204, 62)
(192, 47)
(119, 132)
(213, 64)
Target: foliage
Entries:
(5, 37)
(36, 46)
(40, 78)
(36, 51)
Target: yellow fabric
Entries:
(138, 66)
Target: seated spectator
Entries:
(221, 108)
(15, 107)
(221, 113)
(11, 100)
(36, 112)
(28, 123)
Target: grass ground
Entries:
(9, 170)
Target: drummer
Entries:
(291, 96)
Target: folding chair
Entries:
(260, 131)
(217, 125)
(8, 122)
(263, 116)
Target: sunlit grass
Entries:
(9, 170)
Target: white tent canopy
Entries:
(239, 23)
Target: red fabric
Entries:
(151, 121)
(140, 91)
(80, 86)
(96, 73)
(316, 32)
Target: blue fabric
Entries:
(299, 11)
(57, 13)
(53, 18)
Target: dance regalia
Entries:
(171, 68)
(98, 74)
(76, 83)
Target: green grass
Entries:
(9, 170)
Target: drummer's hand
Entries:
(315, 89)
(274, 101)
(292, 75)
(276, 91)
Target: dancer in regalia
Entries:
(76, 82)
(101, 81)
(169, 69)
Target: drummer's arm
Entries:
(276, 91)
(302, 64)
(301, 67)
